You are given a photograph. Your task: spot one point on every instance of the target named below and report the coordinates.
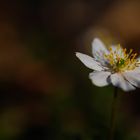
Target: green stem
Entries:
(113, 113)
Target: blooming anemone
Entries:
(114, 65)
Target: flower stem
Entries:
(113, 114)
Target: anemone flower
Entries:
(112, 65)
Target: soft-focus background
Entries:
(45, 93)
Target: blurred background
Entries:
(45, 93)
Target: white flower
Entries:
(114, 65)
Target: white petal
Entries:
(99, 78)
(137, 69)
(119, 81)
(133, 77)
(113, 47)
(138, 58)
(98, 49)
(89, 61)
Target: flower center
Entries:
(119, 60)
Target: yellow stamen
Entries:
(119, 60)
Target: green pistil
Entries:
(121, 62)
